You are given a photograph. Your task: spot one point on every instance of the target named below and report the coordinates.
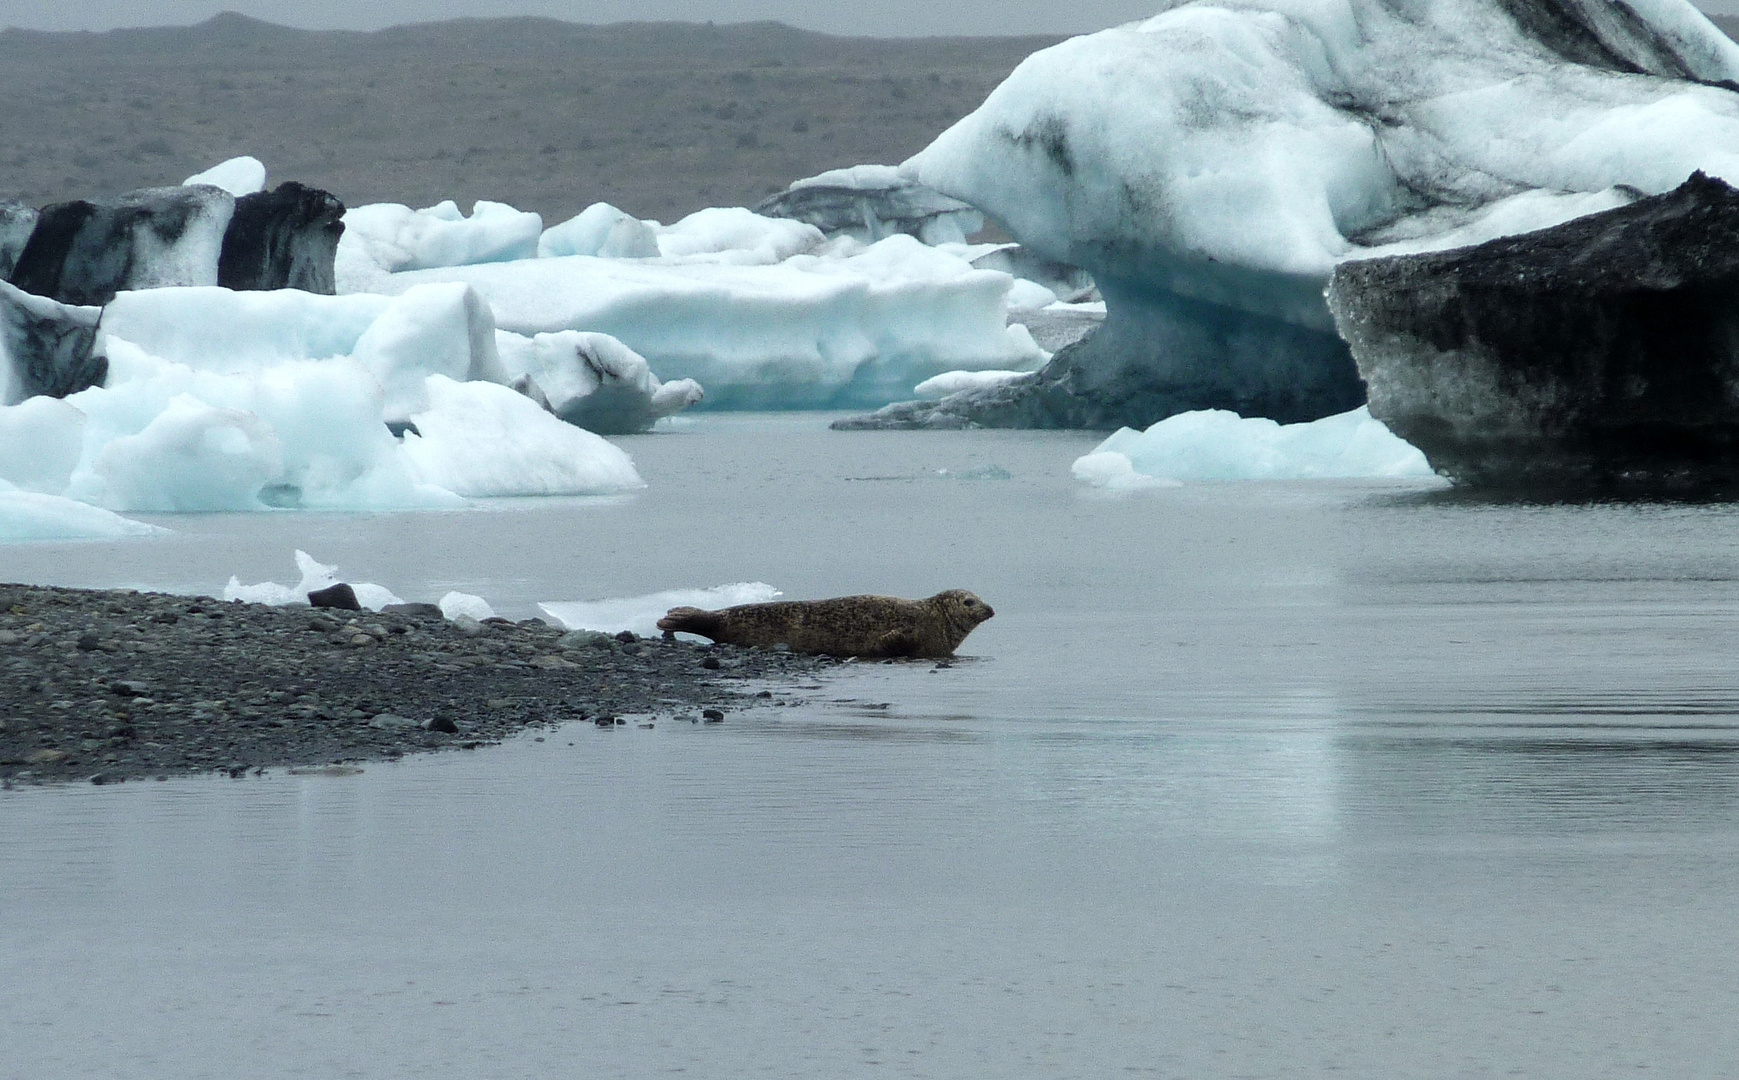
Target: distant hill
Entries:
(658, 118)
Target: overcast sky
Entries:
(904, 18)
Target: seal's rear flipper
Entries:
(692, 620)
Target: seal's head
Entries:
(962, 611)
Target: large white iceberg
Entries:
(1212, 164)
(1213, 444)
(844, 326)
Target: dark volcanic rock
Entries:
(1602, 353)
(285, 238)
(1157, 354)
(85, 252)
(16, 223)
(45, 347)
(339, 597)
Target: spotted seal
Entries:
(843, 626)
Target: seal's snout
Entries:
(989, 612)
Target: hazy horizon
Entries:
(897, 18)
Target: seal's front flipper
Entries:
(897, 643)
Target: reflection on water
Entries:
(1243, 780)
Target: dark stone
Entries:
(712, 716)
(17, 221)
(442, 725)
(340, 597)
(626, 636)
(414, 611)
(89, 642)
(286, 238)
(1602, 353)
(85, 252)
(711, 663)
(45, 347)
(129, 688)
(398, 428)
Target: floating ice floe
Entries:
(456, 604)
(848, 326)
(315, 576)
(31, 515)
(1211, 165)
(1213, 444)
(640, 614)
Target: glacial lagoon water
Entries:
(1244, 780)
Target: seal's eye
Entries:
(971, 603)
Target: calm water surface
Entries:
(1244, 780)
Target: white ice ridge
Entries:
(1282, 136)
(1213, 444)
(315, 576)
(641, 613)
(952, 382)
(844, 326)
(238, 176)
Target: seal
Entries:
(865, 626)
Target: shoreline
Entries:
(107, 686)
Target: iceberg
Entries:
(1213, 444)
(17, 221)
(844, 326)
(873, 202)
(45, 347)
(640, 614)
(441, 329)
(32, 515)
(478, 439)
(456, 604)
(286, 238)
(1210, 166)
(602, 231)
(315, 576)
(592, 381)
(83, 253)
(1598, 355)
(387, 237)
(239, 176)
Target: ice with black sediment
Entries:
(1211, 165)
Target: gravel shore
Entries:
(107, 686)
